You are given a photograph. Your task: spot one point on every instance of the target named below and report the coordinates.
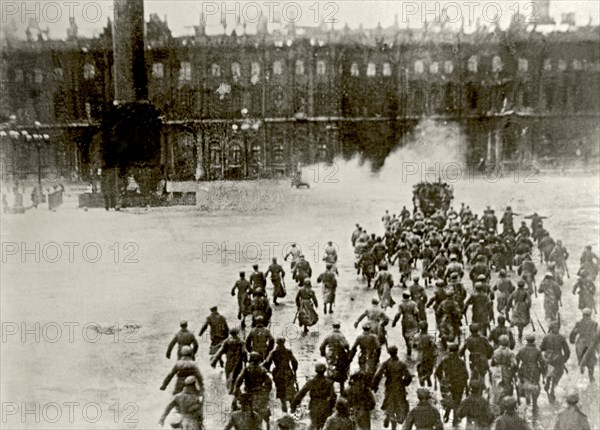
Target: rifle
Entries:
(541, 326)
(296, 316)
(534, 285)
(567, 270)
(517, 390)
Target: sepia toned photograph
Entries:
(299, 215)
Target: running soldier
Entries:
(409, 312)
(383, 284)
(450, 321)
(322, 397)
(184, 337)
(552, 296)
(453, 376)
(340, 420)
(327, 278)
(480, 351)
(302, 270)
(520, 302)
(219, 331)
(366, 263)
(246, 418)
(556, 352)
(370, 350)
(295, 253)
(531, 368)
(284, 373)
(257, 385)
(587, 291)
(501, 330)
(257, 279)
(397, 378)
(361, 399)
(260, 307)
(306, 302)
(244, 297)
(505, 362)
(504, 288)
(336, 350)
(183, 368)
(481, 308)
(426, 348)
(235, 355)
(259, 340)
(436, 300)
(583, 336)
(559, 256)
(419, 296)
(589, 263)
(527, 271)
(404, 257)
(510, 420)
(277, 279)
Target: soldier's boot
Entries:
(394, 424)
(386, 422)
(284, 408)
(325, 309)
(330, 308)
(429, 381)
(591, 374)
(447, 415)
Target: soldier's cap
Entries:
(383, 266)
(423, 394)
(573, 398)
(453, 257)
(341, 406)
(328, 265)
(374, 301)
(475, 384)
(242, 273)
(259, 319)
(190, 380)
(320, 368)
(587, 312)
(186, 350)
(286, 422)
(481, 257)
(234, 331)
(183, 323)
(481, 277)
(416, 278)
(474, 327)
(280, 340)
(509, 404)
(503, 340)
(214, 309)
(307, 282)
(554, 325)
(530, 338)
(502, 273)
(423, 325)
(439, 283)
(521, 283)
(501, 319)
(366, 326)
(274, 260)
(406, 294)
(254, 357)
(453, 347)
(454, 275)
(393, 350)
(549, 275)
(255, 266)
(478, 285)
(336, 324)
(481, 241)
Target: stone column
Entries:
(131, 81)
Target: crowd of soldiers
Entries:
(456, 254)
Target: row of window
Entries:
(185, 70)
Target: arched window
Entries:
(497, 65)
(562, 65)
(58, 74)
(89, 71)
(354, 70)
(547, 64)
(434, 68)
(38, 76)
(299, 67)
(321, 68)
(215, 70)
(577, 65)
(185, 72)
(523, 65)
(419, 67)
(255, 69)
(18, 75)
(387, 69)
(236, 71)
(158, 70)
(472, 64)
(371, 69)
(277, 67)
(448, 67)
